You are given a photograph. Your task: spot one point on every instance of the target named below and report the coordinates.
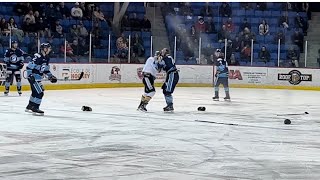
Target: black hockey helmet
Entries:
(45, 45)
(165, 52)
(14, 42)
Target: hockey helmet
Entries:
(165, 52)
(157, 53)
(14, 42)
(45, 45)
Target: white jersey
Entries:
(151, 66)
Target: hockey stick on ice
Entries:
(231, 124)
(79, 78)
(293, 114)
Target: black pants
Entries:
(148, 81)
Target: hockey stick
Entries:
(293, 114)
(79, 78)
(213, 122)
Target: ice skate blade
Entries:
(215, 99)
(37, 114)
(28, 110)
(141, 110)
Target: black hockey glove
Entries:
(21, 65)
(53, 79)
(31, 79)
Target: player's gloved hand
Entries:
(31, 79)
(53, 79)
(21, 65)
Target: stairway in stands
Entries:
(313, 39)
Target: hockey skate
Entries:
(227, 98)
(142, 107)
(19, 92)
(215, 98)
(37, 112)
(28, 109)
(6, 93)
(168, 108)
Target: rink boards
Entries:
(130, 75)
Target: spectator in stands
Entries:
(37, 16)
(284, 21)
(58, 30)
(194, 35)
(98, 14)
(233, 60)
(58, 14)
(51, 13)
(22, 8)
(83, 32)
(297, 39)
(28, 28)
(186, 9)
(301, 23)
(229, 25)
(89, 11)
(83, 7)
(137, 45)
(207, 51)
(122, 47)
(246, 41)
(290, 6)
(261, 6)
(125, 23)
(228, 52)
(305, 8)
(264, 55)
(43, 28)
(293, 55)
(69, 52)
(76, 48)
(31, 17)
(135, 23)
(145, 24)
(200, 25)
(14, 29)
(246, 53)
(76, 11)
(223, 34)
(264, 28)
(188, 51)
(167, 9)
(65, 12)
(280, 36)
(84, 48)
(206, 11)
(245, 24)
(134, 58)
(247, 31)
(246, 5)
(225, 10)
(236, 44)
(74, 32)
(211, 28)
(4, 27)
(96, 35)
(211, 60)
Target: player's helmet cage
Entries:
(45, 45)
(157, 53)
(14, 42)
(165, 52)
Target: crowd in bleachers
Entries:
(242, 24)
(53, 22)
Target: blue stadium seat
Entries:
(249, 13)
(271, 64)
(258, 14)
(276, 14)
(243, 63)
(255, 21)
(260, 64)
(274, 56)
(267, 13)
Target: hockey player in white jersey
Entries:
(149, 72)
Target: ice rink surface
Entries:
(115, 141)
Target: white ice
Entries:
(115, 141)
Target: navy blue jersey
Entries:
(222, 68)
(38, 66)
(14, 59)
(168, 64)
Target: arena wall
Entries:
(129, 75)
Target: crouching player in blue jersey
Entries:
(36, 68)
(221, 76)
(13, 58)
(168, 64)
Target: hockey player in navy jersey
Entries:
(36, 68)
(168, 64)
(13, 58)
(149, 73)
(221, 76)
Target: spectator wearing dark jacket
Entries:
(264, 55)
(145, 24)
(225, 10)
(65, 11)
(297, 39)
(210, 27)
(245, 24)
(206, 11)
(125, 23)
(301, 23)
(135, 23)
